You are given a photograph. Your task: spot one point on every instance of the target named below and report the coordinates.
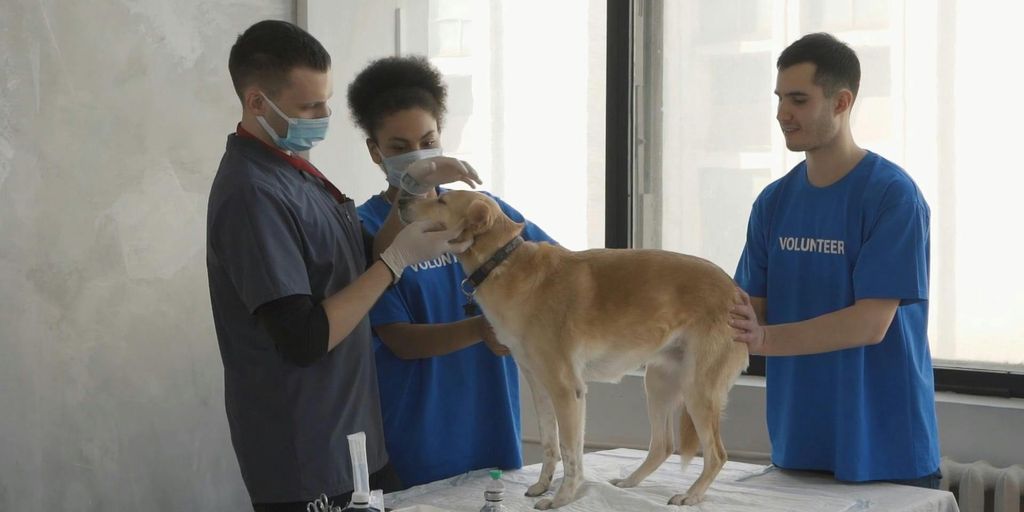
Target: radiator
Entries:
(980, 487)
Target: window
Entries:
(935, 98)
(676, 151)
(526, 97)
(526, 105)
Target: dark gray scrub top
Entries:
(274, 231)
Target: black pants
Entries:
(386, 478)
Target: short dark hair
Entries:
(836, 64)
(266, 52)
(393, 84)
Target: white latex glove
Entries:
(421, 241)
(424, 175)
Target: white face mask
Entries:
(395, 166)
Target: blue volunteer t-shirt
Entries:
(865, 413)
(450, 414)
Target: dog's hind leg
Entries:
(705, 412)
(568, 394)
(548, 433)
(664, 396)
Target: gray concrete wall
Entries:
(113, 117)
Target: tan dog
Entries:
(573, 317)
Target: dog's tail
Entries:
(688, 439)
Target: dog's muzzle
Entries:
(405, 201)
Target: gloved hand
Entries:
(421, 241)
(424, 175)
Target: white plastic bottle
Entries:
(360, 474)
(494, 494)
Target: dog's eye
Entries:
(441, 200)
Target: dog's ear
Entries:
(479, 216)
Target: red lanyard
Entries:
(299, 163)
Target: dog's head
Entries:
(477, 213)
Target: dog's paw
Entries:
(685, 499)
(537, 489)
(550, 503)
(622, 483)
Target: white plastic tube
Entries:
(360, 469)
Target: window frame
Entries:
(625, 26)
(619, 125)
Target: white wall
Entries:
(970, 428)
(354, 33)
(113, 118)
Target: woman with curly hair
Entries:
(449, 391)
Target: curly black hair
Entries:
(393, 84)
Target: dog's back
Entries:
(618, 300)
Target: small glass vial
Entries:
(494, 494)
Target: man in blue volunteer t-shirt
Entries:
(836, 268)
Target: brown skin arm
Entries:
(419, 341)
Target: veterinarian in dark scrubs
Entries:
(290, 283)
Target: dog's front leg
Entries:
(548, 433)
(569, 401)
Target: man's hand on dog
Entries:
(745, 326)
(487, 334)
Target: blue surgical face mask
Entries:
(395, 166)
(302, 134)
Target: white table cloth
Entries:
(738, 487)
